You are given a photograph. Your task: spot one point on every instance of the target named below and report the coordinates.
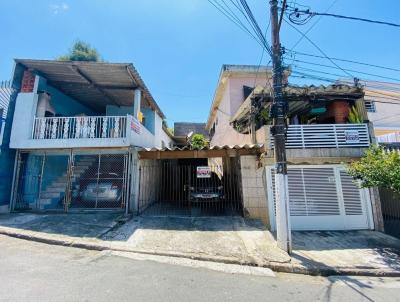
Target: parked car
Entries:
(205, 189)
(107, 189)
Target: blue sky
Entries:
(178, 46)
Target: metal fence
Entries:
(390, 203)
(54, 181)
(168, 188)
(6, 92)
(327, 136)
(79, 127)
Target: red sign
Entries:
(203, 172)
(135, 125)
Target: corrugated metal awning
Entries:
(206, 152)
(95, 84)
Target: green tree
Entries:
(81, 51)
(198, 141)
(377, 168)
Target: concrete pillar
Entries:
(136, 102)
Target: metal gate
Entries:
(390, 203)
(171, 188)
(56, 181)
(322, 197)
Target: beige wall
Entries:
(253, 189)
(231, 100)
(387, 115)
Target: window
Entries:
(370, 106)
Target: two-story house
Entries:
(321, 138)
(75, 130)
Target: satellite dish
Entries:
(190, 134)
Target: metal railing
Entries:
(78, 127)
(326, 136)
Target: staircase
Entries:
(51, 196)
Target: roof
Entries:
(183, 128)
(206, 152)
(93, 83)
(226, 71)
(224, 147)
(297, 94)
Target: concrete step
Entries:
(55, 188)
(50, 194)
(45, 201)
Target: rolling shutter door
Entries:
(322, 198)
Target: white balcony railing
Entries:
(78, 127)
(326, 136)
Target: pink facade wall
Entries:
(232, 98)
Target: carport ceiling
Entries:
(94, 84)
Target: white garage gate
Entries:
(322, 198)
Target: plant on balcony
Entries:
(377, 168)
(198, 141)
(354, 116)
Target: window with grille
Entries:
(370, 106)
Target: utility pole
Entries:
(278, 113)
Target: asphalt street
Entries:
(31, 271)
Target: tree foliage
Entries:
(81, 51)
(198, 141)
(377, 168)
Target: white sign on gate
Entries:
(203, 172)
(351, 136)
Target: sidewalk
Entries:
(220, 239)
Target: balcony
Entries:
(327, 136)
(81, 127)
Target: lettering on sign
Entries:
(351, 136)
(135, 125)
(203, 172)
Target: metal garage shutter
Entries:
(322, 198)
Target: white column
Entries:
(136, 103)
(283, 229)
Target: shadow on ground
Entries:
(89, 225)
(358, 250)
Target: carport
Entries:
(186, 182)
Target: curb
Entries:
(275, 266)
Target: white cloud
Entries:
(58, 8)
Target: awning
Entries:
(300, 96)
(95, 84)
(206, 152)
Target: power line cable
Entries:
(318, 48)
(344, 60)
(301, 17)
(352, 70)
(312, 26)
(240, 25)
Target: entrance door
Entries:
(322, 198)
(41, 181)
